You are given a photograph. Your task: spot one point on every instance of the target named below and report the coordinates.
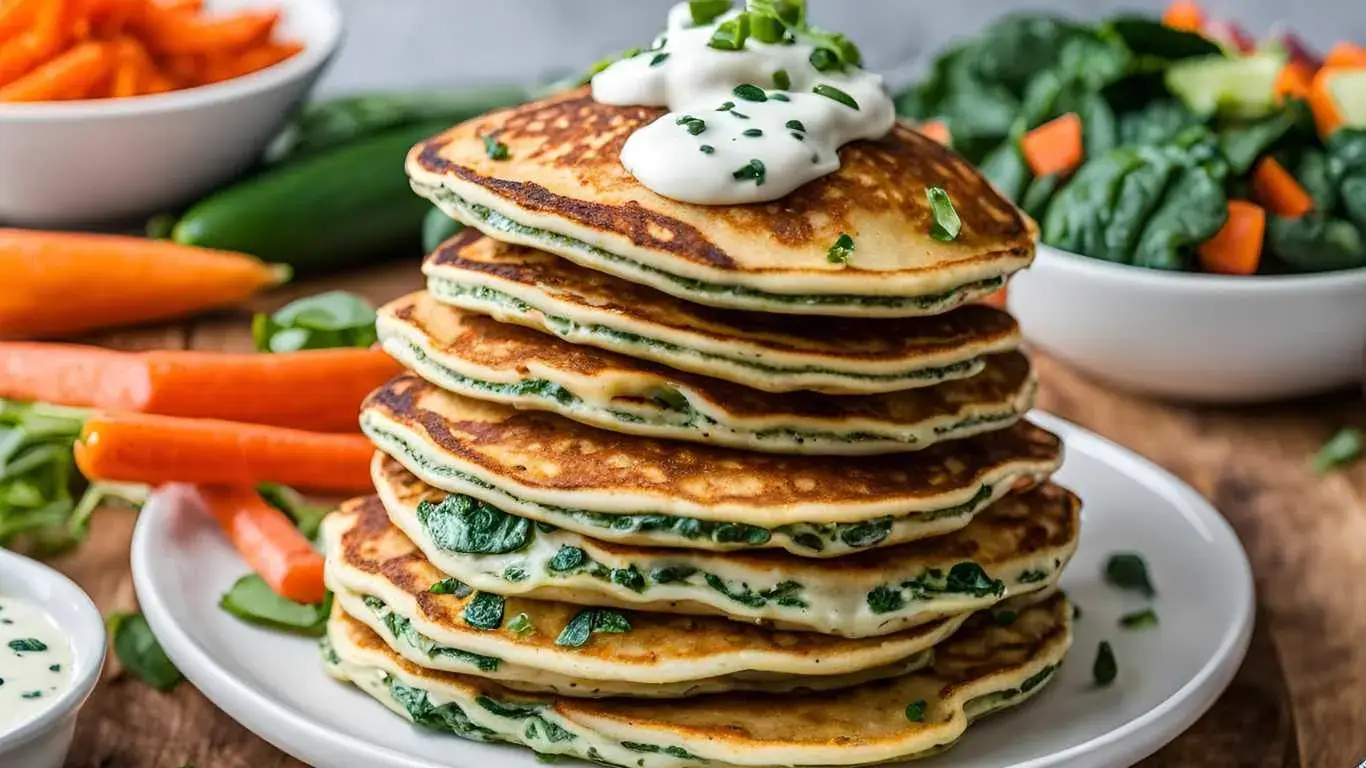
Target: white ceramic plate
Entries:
(275, 685)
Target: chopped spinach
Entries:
(1105, 668)
(1128, 570)
(27, 645)
(252, 600)
(839, 252)
(915, 711)
(1138, 619)
(588, 622)
(460, 523)
(566, 559)
(138, 651)
(447, 717)
(485, 611)
(450, 587)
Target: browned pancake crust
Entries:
(504, 347)
(550, 453)
(564, 163)
(836, 339)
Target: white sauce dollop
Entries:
(35, 662)
(691, 79)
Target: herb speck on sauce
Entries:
(495, 149)
(831, 92)
(726, 106)
(753, 133)
(779, 97)
(659, 58)
(753, 170)
(795, 125)
(694, 125)
(782, 80)
(706, 149)
(750, 92)
(839, 252)
(740, 115)
(27, 645)
(31, 694)
(54, 668)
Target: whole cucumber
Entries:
(331, 123)
(339, 208)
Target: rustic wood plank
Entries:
(1295, 702)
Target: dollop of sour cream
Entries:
(35, 662)
(717, 146)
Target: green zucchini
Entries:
(338, 208)
(437, 228)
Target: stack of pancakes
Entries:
(671, 485)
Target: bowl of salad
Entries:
(1201, 196)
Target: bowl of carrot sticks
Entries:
(114, 109)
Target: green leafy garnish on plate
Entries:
(326, 321)
(139, 652)
(253, 601)
(1105, 668)
(1139, 619)
(306, 517)
(1128, 570)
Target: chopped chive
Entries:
(31, 695)
(1139, 619)
(794, 125)
(753, 132)
(706, 149)
(915, 711)
(1341, 449)
(695, 125)
(750, 92)
(726, 106)
(521, 625)
(798, 136)
(754, 170)
(778, 97)
(824, 60)
(839, 252)
(658, 59)
(946, 224)
(706, 11)
(731, 34)
(1105, 669)
(495, 149)
(740, 115)
(781, 80)
(1127, 570)
(831, 92)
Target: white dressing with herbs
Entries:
(35, 662)
(744, 126)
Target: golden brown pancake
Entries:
(1017, 546)
(620, 487)
(774, 353)
(478, 357)
(381, 579)
(563, 189)
(983, 668)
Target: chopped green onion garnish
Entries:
(1342, 449)
(778, 97)
(781, 80)
(794, 125)
(707, 149)
(1139, 619)
(740, 115)
(753, 132)
(731, 34)
(767, 29)
(750, 92)
(495, 149)
(946, 224)
(1105, 669)
(839, 252)
(831, 92)
(726, 107)
(754, 169)
(706, 11)
(824, 60)
(844, 49)
(915, 711)
(659, 58)
(695, 125)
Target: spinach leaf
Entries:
(307, 517)
(1040, 192)
(328, 320)
(1192, 212)
(1150, 38)
(1156, 122)
(1105, 669)
(450, 587)
(1314, 172)
(1139, 619)
(1005, 167)
(485, 611)
(1315, 243)
(589, 622)
(139, 652)
(1128, 570)
(253, 601)
(1242, 143)
(460, 523)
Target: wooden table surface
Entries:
(1298, 701)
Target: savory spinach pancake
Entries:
(432, 620)
(478, 357)
(630, 489)
(773, 353)
(983, 668)
(560, 187)
(1017, 546)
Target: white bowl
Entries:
(1196, 337)
(81, 162)
(43, 741)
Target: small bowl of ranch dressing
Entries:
(52, 646)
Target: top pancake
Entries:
(563, 189)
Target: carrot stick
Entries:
(69, 76)
(1184, 15)
(58, 283)
(17, 17)
(148, 449)
(937, 130)
(268, 541)
(1295, 81)
(229, 66)
(1275, 189)
(1237, 248)
(997, 299)
(1054, 147)
(1348, 55)
(1323, 103)
(318, 390)
(170, 32)
(184, 6)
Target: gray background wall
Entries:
(435, 42)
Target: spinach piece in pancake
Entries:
(402, 629)
(589, 622)
(485, 611)
(447, 717)
(460, 523)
